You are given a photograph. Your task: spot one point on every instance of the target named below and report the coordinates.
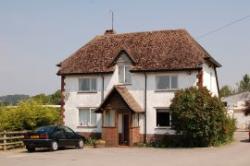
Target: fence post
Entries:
(4, 140)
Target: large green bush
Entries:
(28, 115)
(200, 118)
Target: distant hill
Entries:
(12, 99)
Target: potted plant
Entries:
(100, 143)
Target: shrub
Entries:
(200, 118)
(90, 141)
(28, 115)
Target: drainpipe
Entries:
(145, 108)
(102, 92)
(217, 82)
(62, 98)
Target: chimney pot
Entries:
(109, 32)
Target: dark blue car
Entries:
(53, 137)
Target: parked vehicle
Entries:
(53, 137)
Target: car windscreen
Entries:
(45, 129)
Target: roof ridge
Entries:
(141, 32)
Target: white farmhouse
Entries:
(120, 86)
(236, 105)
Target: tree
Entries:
(244, 84)
(41, 98)
(200, 118)
(28, 115)
(226, 91)
(55, 98)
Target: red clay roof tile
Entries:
(156, 50)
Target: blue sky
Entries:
(36, 35)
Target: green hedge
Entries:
(28, 115)
(201, 118)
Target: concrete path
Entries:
(235, 154)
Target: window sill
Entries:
(163, 128)
(80, 92)
(108, 126)
(87, 127)
(124, 84)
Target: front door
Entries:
(125, 125)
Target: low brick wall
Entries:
(134, 136)
(110, 135)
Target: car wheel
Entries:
(54, 146)
(80, 144)
(30, 149)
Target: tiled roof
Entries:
(156, 50)
(127, 98)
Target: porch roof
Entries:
(123, 92)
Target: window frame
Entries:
(89, 123)
(135, 120)
(167, 110)
(90, 79)
(107, 123)
(170, 83)
(124, 77)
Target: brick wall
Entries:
(134, 136)
(110, 135)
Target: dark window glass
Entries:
(162, 118)
(45, 129)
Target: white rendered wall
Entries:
(209, 79)
(162, 99)
(155, 99)
(75, 100)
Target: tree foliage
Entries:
(200, 118)
(226, 91)
(54, 98)
(244, 84)
(28, 115)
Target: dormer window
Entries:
(124, 74)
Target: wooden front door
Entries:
(125, 129)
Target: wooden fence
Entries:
(11, 139)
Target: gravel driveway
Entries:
(235, 154)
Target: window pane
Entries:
(163, 82)
(68, 130)
(93, 84)
(109, 118)
(106, 118)
(162, 118)
(135, 120)
(174, 82)
(83, 117)
(84, 84)
(121, 74)
(127, 74)
(93, 117)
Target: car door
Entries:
(60, 136)
(71, 137)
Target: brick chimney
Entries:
(109, 32)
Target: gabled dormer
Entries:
(124, 63)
